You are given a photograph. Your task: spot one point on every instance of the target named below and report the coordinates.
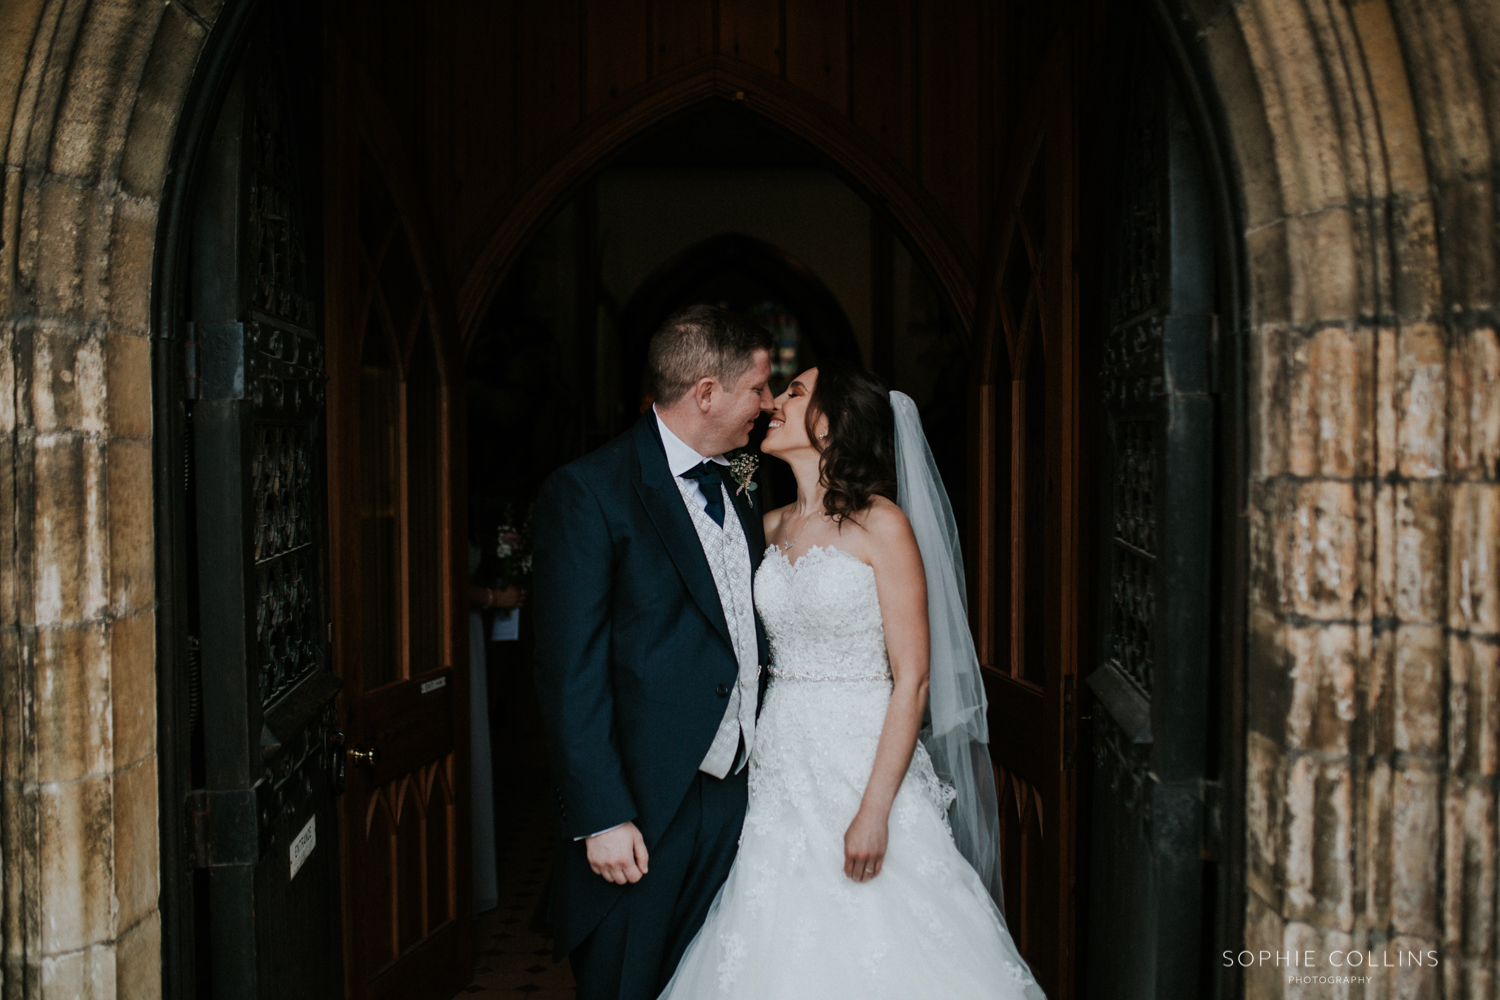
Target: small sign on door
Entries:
(303, 845)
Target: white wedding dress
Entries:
(788, 924)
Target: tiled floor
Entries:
(511, 958)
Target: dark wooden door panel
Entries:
(1150, 684)
(264, 747)
(401, 642)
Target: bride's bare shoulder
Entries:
(879, 529)
(885, 521)
(772, 519)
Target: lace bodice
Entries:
(822, 615)
(788, 924)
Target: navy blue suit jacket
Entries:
(632, 652)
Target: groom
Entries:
(648, 658)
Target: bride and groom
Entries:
(825, 826)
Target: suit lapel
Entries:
(755, 537)
(750, 520)
(659, 495)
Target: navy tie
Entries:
(711, 485)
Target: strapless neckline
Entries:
(824, 550)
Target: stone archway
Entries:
(1363, 141)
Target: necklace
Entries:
(787, 545)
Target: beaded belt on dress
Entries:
(785, 676)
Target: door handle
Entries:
(367, 756)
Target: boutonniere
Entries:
(742, 467)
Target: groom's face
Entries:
(733, 410)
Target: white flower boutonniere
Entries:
(742, 467)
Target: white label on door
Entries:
(304, 844)
(430, 686)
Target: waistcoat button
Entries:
(722, 691)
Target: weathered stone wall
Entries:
(1365, 136)
(90, 93)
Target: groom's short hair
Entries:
(702, 341)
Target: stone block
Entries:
(1474, 559)
(1378, 719)
(1473, 707)
(1417, 280)
(1269, 405)
(131, 249)
(81, 975)
(138, 959)
(68, 390)
(65, 250)
(1385, 64)
(1421, 399)
(1474, 404)
(69, 702)
(67, 538)
(132, 685)
(1416, 841)
(1264, 932)
(1387, 421)
(1269, 694)
(1379, 850)
(1300, 105)
(1466, 234)
(1327, 415)
(132, 555)
(1324, 251)
(158, 102)
(10, 596)
(1469, 876)
(1418, 689)
(1419, 971)
(1420, 513)
(1265, 810)
(1322, 708)
(107, 59)
(76, 878)
(1319, 842)
(1317, 550)
(129, 375)
(1270, 274)
(1223, 43)
(136, 857)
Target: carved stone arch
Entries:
(587, 147)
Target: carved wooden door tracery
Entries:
(1023, 534)
(399, 608)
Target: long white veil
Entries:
(957, 736)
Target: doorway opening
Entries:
(715, 205)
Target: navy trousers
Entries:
(633, 951)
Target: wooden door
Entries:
(1151, 847)
(399, 613)
(264, 760)
(1024, 526)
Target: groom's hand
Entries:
(618, 855)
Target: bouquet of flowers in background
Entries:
(513, 548)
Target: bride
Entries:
(867, 864)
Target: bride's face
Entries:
(788, 431)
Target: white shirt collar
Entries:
(680, 456)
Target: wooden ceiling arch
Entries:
(584, 149)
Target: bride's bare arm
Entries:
(890, 547)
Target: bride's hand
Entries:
(864, 846)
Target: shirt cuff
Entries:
(595, 834)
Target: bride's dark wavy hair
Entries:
(859, 454)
